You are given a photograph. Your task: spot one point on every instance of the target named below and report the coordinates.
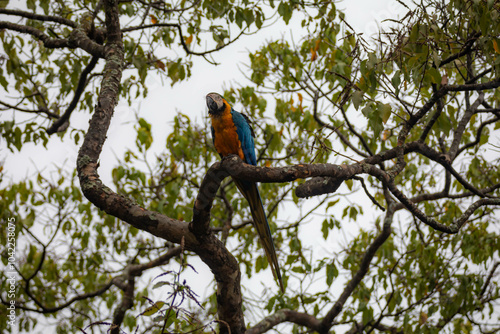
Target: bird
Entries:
(232, 134)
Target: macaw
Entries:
(232, 134)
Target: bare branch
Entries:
(38, 17)
(78, 38)
(364, 266)
(51, 43)
(78, 93)
(285, 315)
(334, 128)
(41, 110)
(181, 37)
(457, 136)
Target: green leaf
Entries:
(435, 75)
(385, 110)
(285, 10)
(357, 98)
(331, 273)
(153, 309)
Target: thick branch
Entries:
(126, 304)
(203, 204)
(236, 168)
(285, 315)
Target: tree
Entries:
(399, 136)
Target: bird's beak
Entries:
(212, 105)
(215, 103)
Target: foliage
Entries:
(412, 119)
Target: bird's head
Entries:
(216, 104)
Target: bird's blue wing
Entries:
(251, 193)
(245, 135)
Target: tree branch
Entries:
(78, 93)
(77, 39)
(200, 225)
(42, 110)
(327, 321)
(334, 128)
(467, 48)
(478, 135)
(51, 43)
(181, 37)
(457, 136)
(38, 17)
(285, 315)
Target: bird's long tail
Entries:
(251, 193)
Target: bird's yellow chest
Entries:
(226, 139)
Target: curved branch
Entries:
(208, 189)
(78, 38)
(51, 43)
(181, 37)
(38, 17)
(138, 269)
(78, 93)
(285, 315)
(333, 128)
(478, 135)
(370, 196)
(455, 226)
(41, 110)
(457, 136)
(364, 266)
(45, 310)
(467, 48)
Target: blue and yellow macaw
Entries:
(232, 134)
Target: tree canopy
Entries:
(378, 163)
